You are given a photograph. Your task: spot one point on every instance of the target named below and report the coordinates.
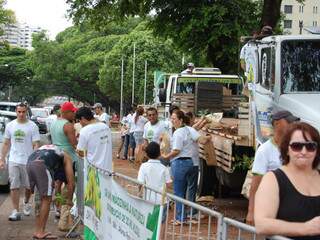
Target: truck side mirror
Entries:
(162, 94)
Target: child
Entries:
(153, 173)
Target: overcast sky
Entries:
(47, 14)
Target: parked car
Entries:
(39, 116)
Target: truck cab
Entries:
(285, 76)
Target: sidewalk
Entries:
(21, 230)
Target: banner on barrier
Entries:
(111, 213)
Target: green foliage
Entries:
(85, 64)
(14, 68)
(242, 163)
(159, 54)
(207, 31)
(6, 16)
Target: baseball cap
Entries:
(284, 115)
(190, 65)
(68, 106)
(97, 105)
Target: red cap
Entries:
(68, 106)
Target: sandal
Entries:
(47, 235)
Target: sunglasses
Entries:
(298, 146)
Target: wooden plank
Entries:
(222, 144)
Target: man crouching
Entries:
(41, 167)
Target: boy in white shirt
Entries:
(153, 173)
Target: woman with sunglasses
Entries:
(288, 199)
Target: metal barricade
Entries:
(200, 222)
(79, 190)
(233, 229)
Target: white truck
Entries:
(284, 75)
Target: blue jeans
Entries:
(181, 170)
(192, 186)
(126, 145)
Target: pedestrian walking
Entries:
(124, 130)
(21, 138)
(288, 199)
(95, 142)
(267, 157)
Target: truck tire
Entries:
(207, 181)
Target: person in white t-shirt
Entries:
(55, 113)
(95, 141)
(21, 137)
(154, 128)
(137, 126)
(181, 158)
(100, 115)
(153, 173)
(267, 157)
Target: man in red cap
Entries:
(64, 137)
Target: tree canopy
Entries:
(6, 16)
(86, 64)
(200, 28)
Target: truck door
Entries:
(264, 91)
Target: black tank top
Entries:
(294, 206)
(50, 155)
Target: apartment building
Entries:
(19, 35)
(300, 15)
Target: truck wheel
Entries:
(207, 181)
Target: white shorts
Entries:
(18, 176)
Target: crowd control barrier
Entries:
(116, 206)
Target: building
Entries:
(300, 15)
(19, 35)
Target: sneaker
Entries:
(15, 216)
(27, 209)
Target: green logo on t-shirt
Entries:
(150, 134)
(19, 135)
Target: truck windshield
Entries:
(300, 67)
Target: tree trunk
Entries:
(271, 13)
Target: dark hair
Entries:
(55, 108)
(21, 105)
(180, 115)
(152, 109)
(84, 112)
(305, 128)
(139, 112)
(153, 150)
(173, 108)
(187, 118)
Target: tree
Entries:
(158, 53)
(6, 16)
(202, 27)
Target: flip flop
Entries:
(46, 236)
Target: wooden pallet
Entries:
(185, 101)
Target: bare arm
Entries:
(256, 179)
(68, 168)
(170, 155)
(36, 145)
(5, 149)
(70, 132)
(204, 139)
(266, 208)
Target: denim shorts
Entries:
(138, 137)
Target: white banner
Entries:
(111, 213)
